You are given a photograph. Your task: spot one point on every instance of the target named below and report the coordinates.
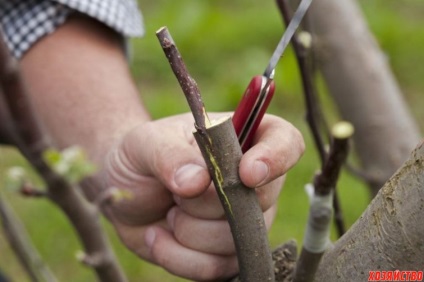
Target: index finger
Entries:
(278, 145)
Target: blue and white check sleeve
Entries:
(25, 21)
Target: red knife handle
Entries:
(247, 105)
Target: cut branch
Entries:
(326, 181)
(222, 153)
(317, 235)
(221, 150)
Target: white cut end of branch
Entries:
(317, 240)
(215, 122)
(342, 130)
(160, 29)
(305, 38)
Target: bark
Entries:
(284, 260)
(390, 233)
(221, 150)
(22, 246)
(187, 83)
(359, 78)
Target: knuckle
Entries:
(298, 137)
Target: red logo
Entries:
(395, 275)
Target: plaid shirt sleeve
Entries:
(26, 21)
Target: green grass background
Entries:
(225, 43)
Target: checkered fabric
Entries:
(26, 21)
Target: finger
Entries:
(268, 194)
(162, 149)
(167, 252)
(205, 206)
(278, 146)
(208, 205)
(211, 236)
(207, 236)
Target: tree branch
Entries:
(187, 83)
(284, 261)
(32, 142)
(388, 235)
(317, 235)
(222, 153)
(314, 115)
(359, 78)
(22, 246)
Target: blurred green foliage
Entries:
(225, 43)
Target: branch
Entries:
(358, 76)
(388, 235)
(313, 111)
(284, 261)
(187, 83)
(22, 246)
(326, 181)
(222, 153)
(314, 115)
(317, 235)
(221, 150)
(6, 129)
(32, 142)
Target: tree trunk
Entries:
(390, 233)
(359, 78)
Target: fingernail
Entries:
(260, 172)
(186, 174)
(150, 237)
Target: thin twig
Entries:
(327, 179)
(314, 115)
(317, 235)
(22, 246)
(187, 83)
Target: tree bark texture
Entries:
(390, 233)
(359, 78)
(22, 246)
(221, 150)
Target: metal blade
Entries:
(285, 40)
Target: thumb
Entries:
(166, 153)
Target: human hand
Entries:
(174, 218)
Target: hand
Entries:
(174, 218)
